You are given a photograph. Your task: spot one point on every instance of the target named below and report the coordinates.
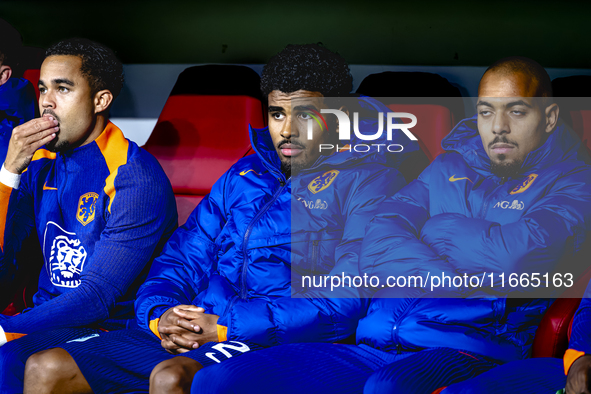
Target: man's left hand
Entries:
(204, 324)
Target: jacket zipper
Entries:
(489, 197)
(243, 291)
(314, 254)
(397, 323)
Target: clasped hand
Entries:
(186, 327)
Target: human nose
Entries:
(286, 130)
(500, 124)
(47, 100)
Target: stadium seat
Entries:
(203, 128)
(435, 102)
(572, 94)
(32, 75)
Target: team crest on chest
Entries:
(323, 181)
(524, 185)
(86, 208)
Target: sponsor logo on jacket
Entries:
(323, 181)
(319, 204)
(519, 205)
(86, 208)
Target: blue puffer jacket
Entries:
(457, 218)
(233, 256)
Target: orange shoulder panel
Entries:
(113, 146)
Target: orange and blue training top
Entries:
(101, 212)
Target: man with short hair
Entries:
(17, 96)
(226, 275)
(101, 207)
(512, 194)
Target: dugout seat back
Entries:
(573, 95)
(32, 75)
(435, 102)
(203, 128)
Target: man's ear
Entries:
(5, 74)
(346, 111)
(102, 100)
(551, 113)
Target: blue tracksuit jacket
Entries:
(457, 218)
(234, 257)
(101, 212)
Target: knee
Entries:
(174, 375)
(48, 366)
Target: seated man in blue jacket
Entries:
(17, 96)
(99, 207)
(511, 194)
(226, 275)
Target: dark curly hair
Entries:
(309, 67)
(99, 64)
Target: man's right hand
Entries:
(26, 139)
(178, 334)
(578, 380)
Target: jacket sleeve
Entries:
(171, 281)
(392, 244)
(16, 224)
(143, 214)
(319, 314)
(553, 228)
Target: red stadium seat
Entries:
(32, 76)
(431, 98)
(203, 128)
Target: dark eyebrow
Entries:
(518, 102)
(273, 108)
(64, 81)
(483, 103)
(305, 108)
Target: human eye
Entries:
(42, 89)
(304, 115)
(518, 112)
(484, 112)
(277, 115)
(63, 89)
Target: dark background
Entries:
(470, 33)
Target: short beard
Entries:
(55, 145)
(291, 169)
(504, 169)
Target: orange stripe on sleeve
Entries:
(154, 327)
(570, 356)
(222, 333)
(5, 192)
(113, 146)
(11, 336)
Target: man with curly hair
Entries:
(100, 207)
(223, 285)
